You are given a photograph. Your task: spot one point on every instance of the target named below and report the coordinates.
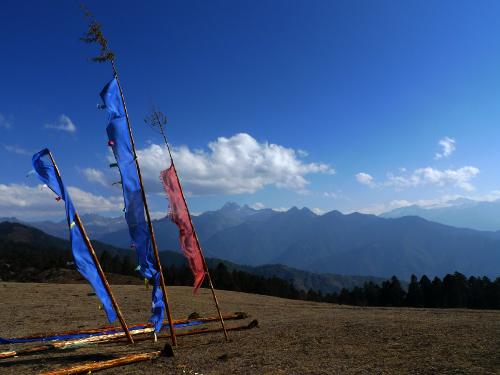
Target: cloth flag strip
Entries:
(84, 262)
(180, 216)
(119, 141)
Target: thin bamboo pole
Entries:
(243, 327)
(150, 225)
(102, 365)
(73, 343)
(207, 272)
(104, 280)
(114, 329)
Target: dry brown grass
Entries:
(294, 337)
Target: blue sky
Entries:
(324, 104)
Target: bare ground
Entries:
(294, 337)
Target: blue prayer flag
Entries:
(119, 141)
(84, 262)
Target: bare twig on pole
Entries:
(97, 264)
(158, 120)
(95, 35)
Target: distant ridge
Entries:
(333, 243)
(37, 241)
(462, 213)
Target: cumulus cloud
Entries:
(281, 209)
(330, 194)
(15, 149)
(318, 211)
(365, 179)
(428, 176)
(379, 208)
(235, 165)
(431, 176)
(94, 175)
(64, 123)
(258, 206)
(27, 202)
(447, 147)
(446, 200)
(4, 123)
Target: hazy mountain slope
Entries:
(353, 244)
(35, 241)
(463, 213)
(260, 242)
(206, 224)
(95, 225)
(359, 244)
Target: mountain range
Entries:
(32, 242)
(352, 244)
(462, 213)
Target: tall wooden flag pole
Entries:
(78, 222)
(148, 216)
(158, 120)
(95, 35)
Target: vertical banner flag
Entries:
(119, 141)
(83, 259)
(180, 216)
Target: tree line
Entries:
(23, 262)
(453, 291)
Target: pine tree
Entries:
(426, 288)
(436, 299)
(415, 296)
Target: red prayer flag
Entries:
(180, 216)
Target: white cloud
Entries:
(280, 209)
(4, 123)
(431, 176)
(94, 175)
(156, 215)
(446, 200)
(258, 206)
(448, 146)
(379, 208)
(318, 211)
(428, 176)
(15, 149)
(302, 153)
(365, 179)
(39, 202)
(88, 202)
(64, 123)
(235, 165)
(330, 194)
